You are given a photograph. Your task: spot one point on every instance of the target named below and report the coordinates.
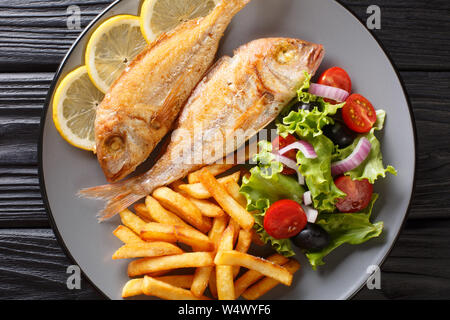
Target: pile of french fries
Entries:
(202, 226)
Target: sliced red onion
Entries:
(307, 199)
(332, 93)
(305, 147)
(357, 157)
(291, 164)
(311, 214)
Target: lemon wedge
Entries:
(74, 108)
(158, 16)
(111, 48)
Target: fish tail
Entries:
(232, 6)
(118, 196)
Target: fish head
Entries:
(285, 61)
(122, 145)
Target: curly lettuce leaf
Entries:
(308, 123)
(317, 173)
(351, 228)
(265, 186)
(372, 168)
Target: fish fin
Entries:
(247, 119)
(234, 6)
(119, 196)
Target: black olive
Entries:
(340, 134)
(312, 238)
(307, 106)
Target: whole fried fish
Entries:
(143, 103)
(243, 93)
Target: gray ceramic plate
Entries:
(64, 169)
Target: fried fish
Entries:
(242, 93)
(142, 105)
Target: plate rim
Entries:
(58, 74)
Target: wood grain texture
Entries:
(33, 40)
(415, 32)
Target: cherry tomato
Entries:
(358, 193)
(278, 144)
(359, 114)
(285, 219)
(338, 78)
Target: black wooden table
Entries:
(33, 40)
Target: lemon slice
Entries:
(74, 109)
(111, 48)
(158, 16)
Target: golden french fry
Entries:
(170, 233)
(267, 268)
(126, 235)
(182, 207)
(267, 284)
(142, 212)
(141, 250)
(224, 274)
(132, 221)
(243, 244)
(202, 275)
(233, 188)
(236, 227)
(157, 212)
(185, 260)
(160, 289)
(198, 191)
(133, 288)
(234, 209)
(215, 170)
(213, 283)
(250, 277)
(207, 208)
(180, 281)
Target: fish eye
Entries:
(114, 143)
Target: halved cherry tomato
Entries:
(278, 144)
(338, 78)
(358, 193)
(359, 114)
(285, 219)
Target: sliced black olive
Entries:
(340, 134)
(312, 238)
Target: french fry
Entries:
(224, 274)
(234, 209)
(243, 244)
(236, 227)
(267, 268)
(215, 170)
(142, 212)
(198, 191)
(160, 289)
(233, 188)
(126, 235)
(170, 233)
(202, 275)
(250, 277)
(267, 284)
(213, 283)
(132, 221)
(180, 281)
(207, 208)
(157, 212)
(185, 260)
(182, 207)
(141, 250)
(133, 288)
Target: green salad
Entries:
(312, 186)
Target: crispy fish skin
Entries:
(143, 103)
(245, 93)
